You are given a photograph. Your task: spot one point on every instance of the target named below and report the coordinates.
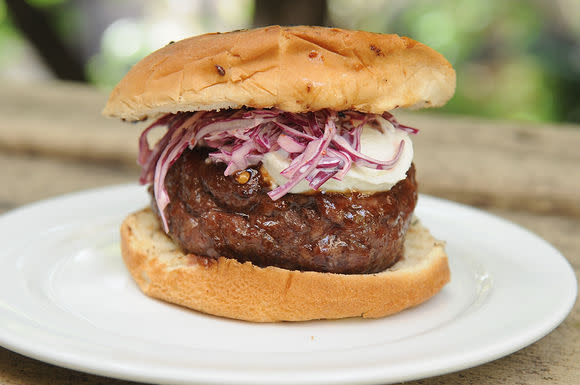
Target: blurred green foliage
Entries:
(10, 41)
(516, 59)
(45, 3)
(490, 45)
(122, 45)
(127, 40)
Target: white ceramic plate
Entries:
(66, 298)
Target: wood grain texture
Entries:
(498, 164)
(16, 369)
(63, 120)
(518, 166)
(33, 177)
(53, 141)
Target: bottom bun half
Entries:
(228, 288)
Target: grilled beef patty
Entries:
(232, 216)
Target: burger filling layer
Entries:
(212, 214)
(325, 191)
(380, 141)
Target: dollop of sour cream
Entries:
(374, 143)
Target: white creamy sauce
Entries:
(376, 144)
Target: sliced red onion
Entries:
(313, 152)
(346, 163)
(328, 162)
(293, 132)
(290, 145)
(171, 153)
(231, 126)
(393, 121)
(367, 161)
(320, 178)
(239, 157)
(148, 158)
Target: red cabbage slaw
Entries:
(321, 145)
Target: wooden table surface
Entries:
(53, 141)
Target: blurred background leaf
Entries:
(517, 59)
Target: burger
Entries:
(282, 188)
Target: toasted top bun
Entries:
(228, 288)
(296, 69)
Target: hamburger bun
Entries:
(228, 288)
(295, 69)
(292, 69)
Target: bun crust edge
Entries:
(296, 69)
(228, 288)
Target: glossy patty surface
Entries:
(215, 215)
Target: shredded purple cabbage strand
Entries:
(321, 145)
